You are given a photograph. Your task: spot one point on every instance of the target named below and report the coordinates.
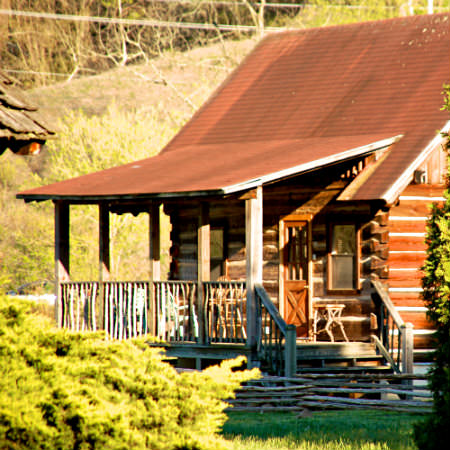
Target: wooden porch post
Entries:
(104, 257)
(155, 264)
(62, 253)
(408, 348)
(254, 255)
(203, 269)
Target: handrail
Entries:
(395, 340)
(382, 292)
(276, 340)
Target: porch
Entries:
(248, 275)
(200, 323)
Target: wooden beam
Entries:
(62, 253)
(104, 258)
(203, 265)
(248, 195)
(204, 235)
(155, 262)
(155, 243)
(408, 348)
(254, 259)
(361, 178)
(104, 253)
(315, 204)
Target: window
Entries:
(343, 258)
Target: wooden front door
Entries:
(295, 273)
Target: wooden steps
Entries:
(335, 357)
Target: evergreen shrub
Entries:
(63, 390)
(434, 432)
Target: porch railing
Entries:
(225, 311)
(126, 309)
(78, 305)
(395, 337)
(276, 340)
(175, 311)
(167, 310)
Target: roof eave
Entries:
(95, 199)
(392, 194)
(231, 189)
(307, 167)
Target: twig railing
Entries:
(225, 311)
(78, 305)
(176, 311)
(168, 310)
(126, 306)
(276, 339)
(395, 337)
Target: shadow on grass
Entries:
(322, 430)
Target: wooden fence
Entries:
(405, 393)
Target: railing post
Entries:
(254, 256)
(290, 351)
(104, 258)
(203, 270)
(407, 348)
(62, 254)
(155, 265)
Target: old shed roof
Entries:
(301, 100)
(20, 122)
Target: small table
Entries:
(331, 314)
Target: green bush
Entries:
(434, 432)
(62, 390)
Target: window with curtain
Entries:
(343, 258)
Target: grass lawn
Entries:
(332, 430)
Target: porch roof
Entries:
(302, 97)
(211, 169)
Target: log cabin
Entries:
(297, 196)
(23, 130)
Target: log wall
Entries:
(373, 228)
(391, 244)
(407, 224)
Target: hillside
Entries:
(122, 115)
(177, 81)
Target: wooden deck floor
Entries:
(317, 355)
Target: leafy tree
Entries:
(318, 13)
(84, 144)
(434, 432)
(61, 390)
(44, 51)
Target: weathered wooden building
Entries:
(295, 195)
(22, 129)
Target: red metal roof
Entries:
(302, 96)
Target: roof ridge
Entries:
(414, 17)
